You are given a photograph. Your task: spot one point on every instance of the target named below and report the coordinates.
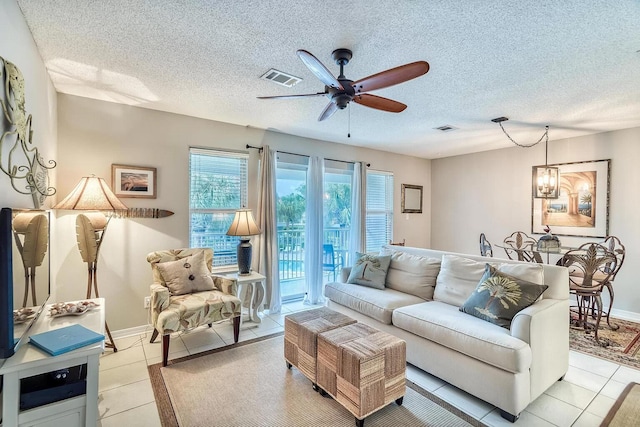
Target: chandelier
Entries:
(545, 178)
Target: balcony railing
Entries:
(290, 251)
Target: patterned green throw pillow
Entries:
(498, 297)
(370, 270)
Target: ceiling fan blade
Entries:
(317, 68)
(291, 96)
(391, 77)
(379, 103)
(328, 111)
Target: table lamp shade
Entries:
(91, 193)
(244, 225)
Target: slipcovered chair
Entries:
(185, 295)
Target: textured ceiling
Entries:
(570, 64)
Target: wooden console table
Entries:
(29, 361)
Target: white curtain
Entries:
(313, 233)
(267, 257)
(357, 239)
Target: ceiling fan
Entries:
(341, 90)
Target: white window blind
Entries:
(379, 227)
(217, 188)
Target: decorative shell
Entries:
(71, 309)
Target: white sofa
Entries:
(508, 368)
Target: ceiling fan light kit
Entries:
(341, 91)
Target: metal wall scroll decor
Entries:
(20, 160)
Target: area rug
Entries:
(626, 410)
(624, 343)
(249, 385)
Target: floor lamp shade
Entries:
(244, 225)
(91, 193)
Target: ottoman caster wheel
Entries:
(359, 423)
(289, 365)
(399, 401)
(315, 387)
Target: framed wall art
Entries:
(411, 198)
(582, 206)
(134, 181)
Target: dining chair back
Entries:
(523, 247)
(485, 246)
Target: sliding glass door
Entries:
(291, 188)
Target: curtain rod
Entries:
(304, 155)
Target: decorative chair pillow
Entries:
(369, 270)
(186, 275)
(498, 297)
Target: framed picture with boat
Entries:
(582, 207)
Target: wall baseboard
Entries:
(632, 316)
(136, 330)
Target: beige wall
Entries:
(490, 192)
(95, 134)
(17, 46)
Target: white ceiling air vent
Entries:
(281, 78)
(446, 128)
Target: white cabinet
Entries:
(29, 361)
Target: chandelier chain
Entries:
(545, 135)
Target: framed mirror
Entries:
(411, 198)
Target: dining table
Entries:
(533, 248)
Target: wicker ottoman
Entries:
(301, 333)
(362, 368)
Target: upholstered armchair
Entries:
(185, 295)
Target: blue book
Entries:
(58, 341)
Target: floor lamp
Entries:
(92, 194)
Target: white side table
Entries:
(254, 285)
(29, 361)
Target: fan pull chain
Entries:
(349, 124)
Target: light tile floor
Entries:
(581, 399)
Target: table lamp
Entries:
(244, 225)
(92, 194)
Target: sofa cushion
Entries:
(369, 270)
(459, 277)
(412, 274)
(446, 325)
(375, 303)
(498, 297)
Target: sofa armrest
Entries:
(544, 326)
(226, 285)
(159, 297)
(344, 274)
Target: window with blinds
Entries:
(379, 209)
(217, 188)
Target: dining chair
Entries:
(485, 246)
(590, 269)
(614, 245)
(523, 246)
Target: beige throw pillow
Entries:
(186, 275)
(412, 274)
